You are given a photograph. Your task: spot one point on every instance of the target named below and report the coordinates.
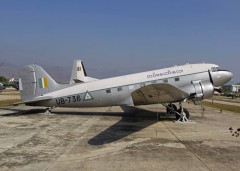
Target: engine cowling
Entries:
(199, 90)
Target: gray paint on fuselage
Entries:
(101, 98)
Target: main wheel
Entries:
(172, 106)
(185, 111)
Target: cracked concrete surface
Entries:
(107, 139)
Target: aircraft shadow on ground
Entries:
(16, 112)
(131, 121)
(129, 124)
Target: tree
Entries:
(3, 79)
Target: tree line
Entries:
(3, 79)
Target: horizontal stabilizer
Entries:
(77, 81)
(35, 100)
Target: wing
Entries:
(158, 93)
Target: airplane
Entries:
(79, 74)
(163, 86)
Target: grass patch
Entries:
(230, 108)
(231, 101)
(8, 102)
(225, 99)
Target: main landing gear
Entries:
(182, 114)
(48, 110)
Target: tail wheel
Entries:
(185, 111)
(173, 106)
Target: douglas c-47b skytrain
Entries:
(164, 86)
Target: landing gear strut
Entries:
(48, 110)
(173, 106)
(182, 114)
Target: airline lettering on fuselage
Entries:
(88, 96)
(164, 73)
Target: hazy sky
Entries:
(121, 34)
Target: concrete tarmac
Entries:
(107, 139)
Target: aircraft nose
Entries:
(227, 75)
(221, 77)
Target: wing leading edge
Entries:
(158, 93)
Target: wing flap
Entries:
(158, 93)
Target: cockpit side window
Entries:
(215, 69)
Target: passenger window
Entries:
(131, 87)
(108, 91)
(119, 89)
(154, 82)
(177, 79)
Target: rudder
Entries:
(35, 81)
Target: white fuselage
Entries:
(118, 90)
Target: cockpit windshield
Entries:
(215, 69)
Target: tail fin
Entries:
(79, 74)
(34, 82)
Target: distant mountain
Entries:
(59, 74)
(8, 70)
(62, 74)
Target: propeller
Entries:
(215, 89)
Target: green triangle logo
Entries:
(87, 96)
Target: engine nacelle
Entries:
(199, 90)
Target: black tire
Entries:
(177, 115)
(185, 111)
(173, 106)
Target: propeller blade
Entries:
(210, 77)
